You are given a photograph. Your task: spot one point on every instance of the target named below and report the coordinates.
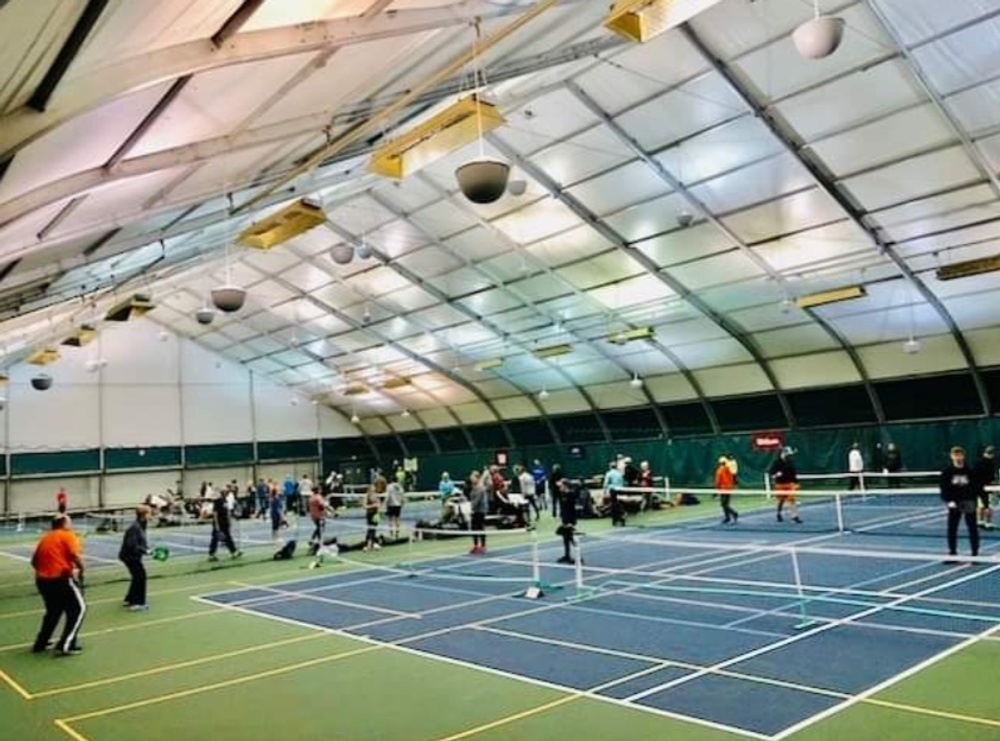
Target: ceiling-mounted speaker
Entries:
(204, 315)
(131, 308)
(363, 250)
(342, 254)
(41, 382)
(229, 298)
(819, 37)
(483, 180)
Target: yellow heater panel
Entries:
(830, 297)
(553, 351)
(639, 20)
(277, 228)
(355, 390)
(630, 335)
(450, 130)
(395, 383)
(969, 267)
(45, 356)
(82, 336)
(132, 308)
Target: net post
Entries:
(20, 522)
(804, 620)
(861, 484)
(838, 505)
(767, 486)
(536, 566)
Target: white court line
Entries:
(16, 557)
(926, 664)
(329, 601)
(813, 632)
(592, 693)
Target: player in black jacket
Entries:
(134, 547)
(959, 493)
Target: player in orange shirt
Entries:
(56, 556)
(725, 482)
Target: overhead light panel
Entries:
(84, 335)
(485, 365)
(642, 20)
(289, 222)
(553, 351)
(448, 131)
(44, 356)
(830, 297)
(132, 308)
(631, 335)
(969, 268)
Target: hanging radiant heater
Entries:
(291, 221)
(642, 20)
(131, 308)
(434, 139)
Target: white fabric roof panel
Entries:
(499, 277)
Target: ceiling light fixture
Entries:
(636, 382)
(355, 418)
(543, 394)
(482, 180)
(342, 254)
(911, 346)
(405, 414)
(820, 36)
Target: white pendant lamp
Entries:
(820, 36)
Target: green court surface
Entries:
(188, 669)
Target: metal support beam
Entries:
(827, 183)
(611, 235)
(235, 22)
(684, 191)
(477, 318)
(122, 76)
(205, 151)
(462, 204)
(402, 349)
(81, 30)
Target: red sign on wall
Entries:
(769, 441)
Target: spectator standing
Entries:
(893, 463)
(394, 496)
(480, 501)
(855, 466)
(614, 480)
(984, 474)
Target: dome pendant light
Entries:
(820, 36)
(229, 298)
(482, 180)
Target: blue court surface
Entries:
(745, 635)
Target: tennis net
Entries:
(916, 511)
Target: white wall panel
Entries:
(565, 401)
(141, 415)
(193, 478)
(821, 369)
(216, 398)
(985, 344)
(39, 495)
(281, 414)
(670, 388)
(888, 360)
(133, 488)
(474, 413)
(732, 380)
(514, 407)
